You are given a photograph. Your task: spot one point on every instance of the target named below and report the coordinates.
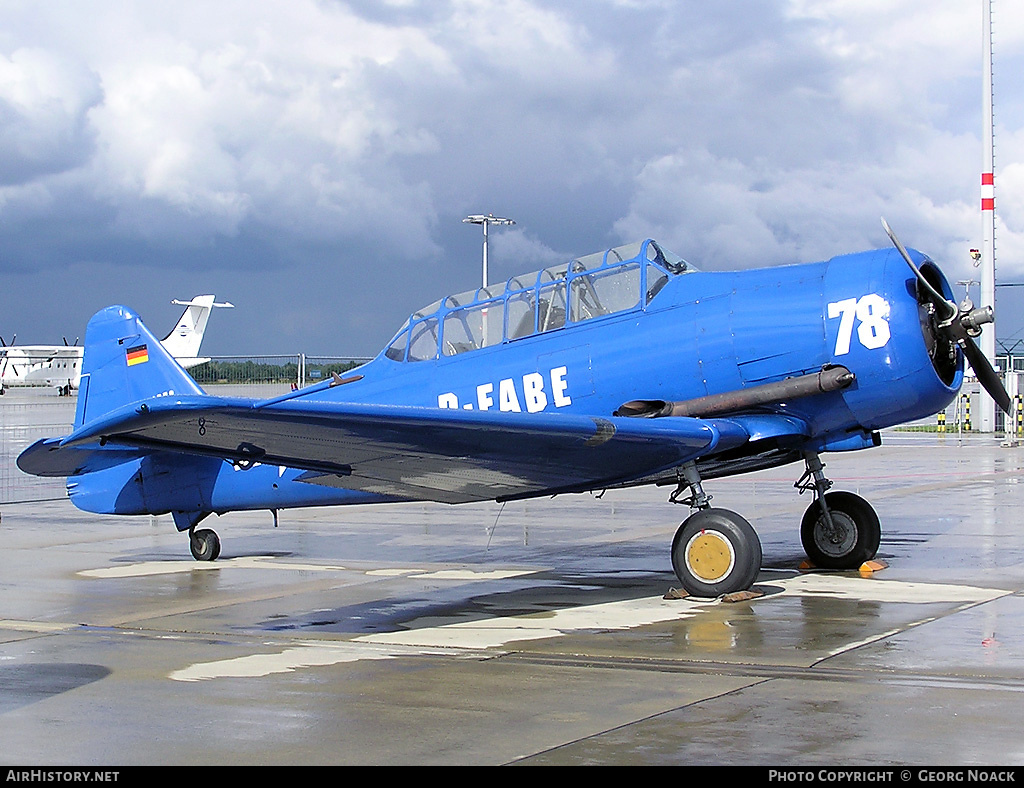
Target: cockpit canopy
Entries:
(604, 283)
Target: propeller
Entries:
(959, 326)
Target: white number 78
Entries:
(873, 313)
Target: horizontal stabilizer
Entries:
(47, 457)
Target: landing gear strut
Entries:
(839, 530)
(715, 551)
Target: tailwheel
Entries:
(716, 552)
(844, 536)
(205, 544)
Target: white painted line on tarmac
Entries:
(458, 639)
(500, 631)
(466, 638)
(837, 586)
(35, 626)
(302, 655)
(156, 568)
(466, 575)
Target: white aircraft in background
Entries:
(61, 365)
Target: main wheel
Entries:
(205, 545)
(716, 552)
(853, 538)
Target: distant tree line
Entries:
(251, 371)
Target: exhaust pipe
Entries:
(830, 378)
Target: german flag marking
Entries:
(137, 355)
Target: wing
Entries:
(416, 453)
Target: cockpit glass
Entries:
(615, 281)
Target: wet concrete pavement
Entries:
(536, 633)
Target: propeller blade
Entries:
(987, 376)
(939, 298)
(954, 327)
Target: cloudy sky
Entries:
(312, 161)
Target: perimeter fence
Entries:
(962, 415)
(268, 376)
(28, 413)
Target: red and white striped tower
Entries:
(988, 212)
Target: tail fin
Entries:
(187, 335)
(125, 363)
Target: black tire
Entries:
(855, 539)
(716, 552)
(205, 545)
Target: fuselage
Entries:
(701, 333)
(602, 331)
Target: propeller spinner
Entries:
(959, 326)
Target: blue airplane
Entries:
(626, 367)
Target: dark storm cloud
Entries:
(44, 104)
(312, 163)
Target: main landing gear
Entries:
(717, 552)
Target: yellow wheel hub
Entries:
(709, 556)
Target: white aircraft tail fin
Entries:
(187, 335)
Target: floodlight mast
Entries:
(988, 250)
(485, 221)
